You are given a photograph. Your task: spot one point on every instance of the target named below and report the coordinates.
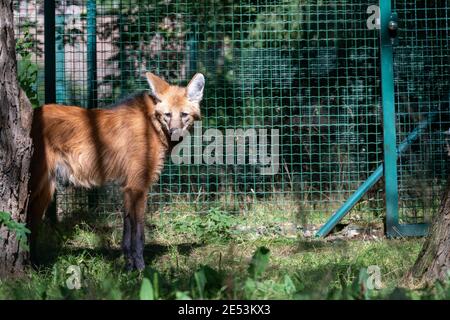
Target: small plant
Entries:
(27, 70)
(216, 225)
(19, 228)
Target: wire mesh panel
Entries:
(422, 75)
(308, 69)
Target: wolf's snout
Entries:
(176, 134)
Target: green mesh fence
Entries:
(309, 69)
(422, 75)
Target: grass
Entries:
(214, 256)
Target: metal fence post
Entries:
(91, 8)
(389, 119)
(50, 74)
(92, 53)
(60, 60)
(192, 51)
(49, 48)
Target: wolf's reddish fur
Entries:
(126, 144)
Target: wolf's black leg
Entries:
(135, 201)
(126, 242)
(138, 248)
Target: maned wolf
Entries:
(126, 144)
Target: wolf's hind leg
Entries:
(39, 202)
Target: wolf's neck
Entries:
(160, 132)
(162, 136)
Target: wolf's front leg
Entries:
(126, 241)
(135, 201)
(139, 243)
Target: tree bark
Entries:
(433, 262)
(15, 145)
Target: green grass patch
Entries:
(215, 256)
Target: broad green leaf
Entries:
(146, 292)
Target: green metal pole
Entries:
(50, 75)
(389, 131)
(351, 202)
(122, 56)
(125, 65)
(192, 45)
(49, 49)
(60, 59)
(91, 7)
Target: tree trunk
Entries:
(433, 262)
(15, 145)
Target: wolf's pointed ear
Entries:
(195, 87)
(157, 85)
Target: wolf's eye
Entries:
(168, 114)
(184, 114)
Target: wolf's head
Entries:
(176, 108)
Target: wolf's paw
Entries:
(139, 263)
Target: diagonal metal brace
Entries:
(372, 179)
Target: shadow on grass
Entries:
(53, 238)
(320, 245)
(151, 252)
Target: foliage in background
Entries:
(18, 228)
(27, 69)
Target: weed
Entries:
(214, 226)
(18, 228)
(27, 70)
